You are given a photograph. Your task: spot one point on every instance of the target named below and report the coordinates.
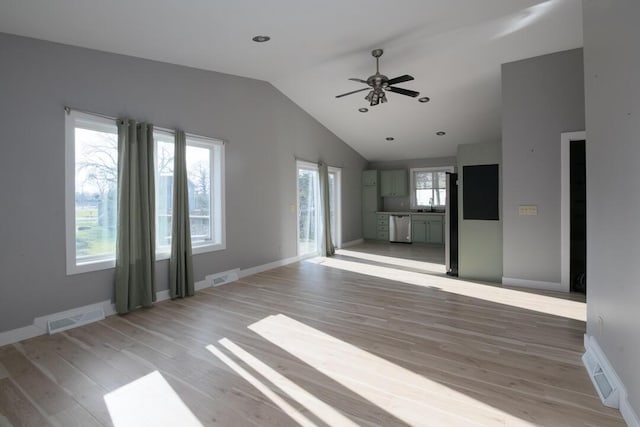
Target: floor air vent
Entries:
(64, 323)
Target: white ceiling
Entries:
(453, 48)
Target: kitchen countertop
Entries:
(409, 213)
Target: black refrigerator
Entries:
(451, 225)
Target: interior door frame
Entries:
(565, 205)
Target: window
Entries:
(205, 159)
(429, 187)
(91, 192)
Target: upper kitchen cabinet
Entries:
(370, 177)
(393, 183)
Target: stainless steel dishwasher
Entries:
(400, 228)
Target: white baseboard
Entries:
(534, 284)
(39, 326)
(203, 284)
(270, 266)
(24, 333)
(595, 353)
(351, 243)
(163, 295)
(629, 415)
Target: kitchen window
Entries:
(429, 187)
(91, 163)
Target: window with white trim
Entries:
(429, 187)
(92, 192)
(205, 174)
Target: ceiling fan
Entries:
(379, 83)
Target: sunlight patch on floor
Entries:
(406, 395)
(400, 262)
(149, 401)
(296, 415)
(525, 300)
(320, 409)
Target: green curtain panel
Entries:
(135, 245)
(181, 283)
(327, 245)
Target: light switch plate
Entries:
(528, 210)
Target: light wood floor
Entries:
(374, 336)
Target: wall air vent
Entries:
(64, 323)
(604, 380)
(223, 278)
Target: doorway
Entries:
(578, 220)
(573, 211)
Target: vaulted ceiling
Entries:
(453, 48)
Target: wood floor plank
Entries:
(377, 336)
(48, 395)
(16, 408)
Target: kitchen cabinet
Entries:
(427, 229)
(370, 177)
(393, 183)
(370, 204)
(382, 227)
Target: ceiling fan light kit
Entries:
(379, 83)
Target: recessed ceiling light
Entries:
(261, 39)
(389, 138)
(363, 110)
(424, 99)
(440, 133)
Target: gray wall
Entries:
(612, 83)
(541, 98)
(479, 242)
(403, 203)
(265, 130)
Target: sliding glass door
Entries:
(334, 205)
(308, 208)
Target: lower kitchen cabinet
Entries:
(427, 229)
(419, 231)
(383, 227)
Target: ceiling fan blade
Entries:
(401, 91)
(401, 79)
(353, 91)
(359, 80)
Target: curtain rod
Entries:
(68, 110)
(305, 160)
